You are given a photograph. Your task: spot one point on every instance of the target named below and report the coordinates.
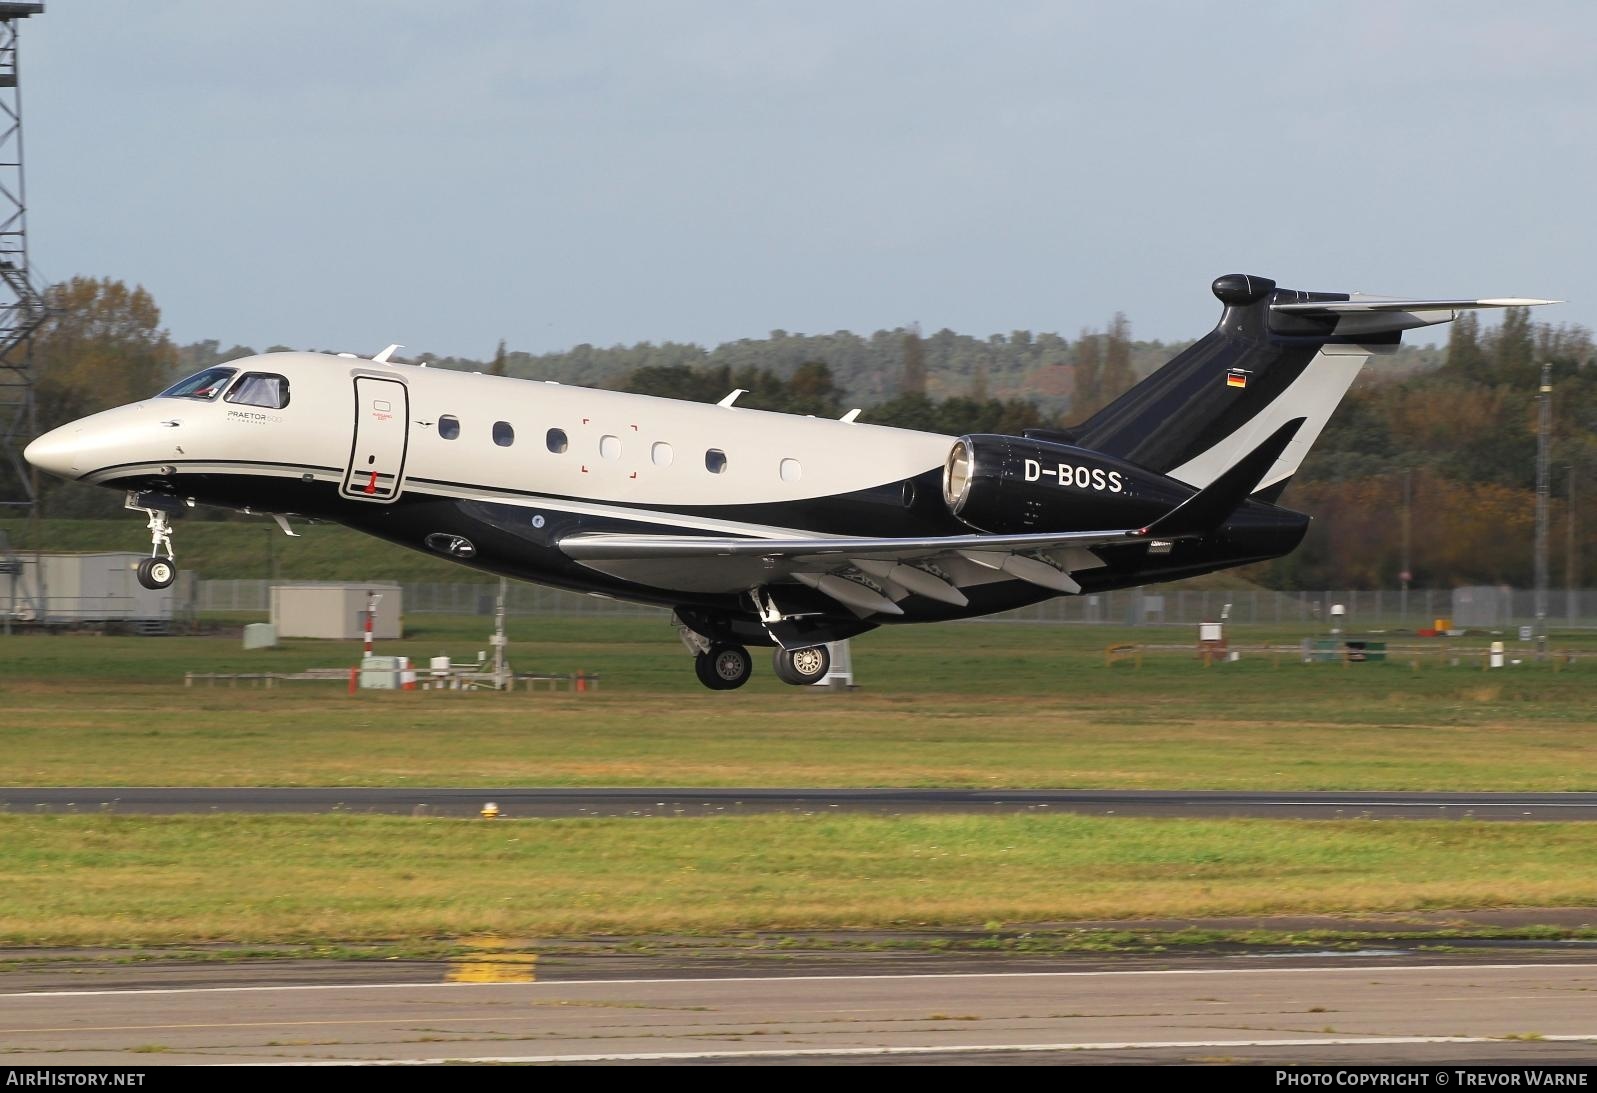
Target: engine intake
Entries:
(1012, 485)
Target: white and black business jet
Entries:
(761, 528)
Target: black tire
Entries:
(724, 667)
(157, 572)
(802, 667)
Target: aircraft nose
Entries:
(55, 452)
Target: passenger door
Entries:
(377, 455)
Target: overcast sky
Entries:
(345, 174)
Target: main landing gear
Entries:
(727, 667)
(158, 570)
(724, 667)
(802, 667)
(722, 662)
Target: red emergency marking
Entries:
(371, 487)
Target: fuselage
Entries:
(493, 472)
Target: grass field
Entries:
(107, 880)
(965, 705)
(981, 705)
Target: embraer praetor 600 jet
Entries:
(761, 528)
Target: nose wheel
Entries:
(724, 667)
(158, 570)
(157, 573)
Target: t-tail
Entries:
(1277, 356)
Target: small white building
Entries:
(82, 589)
(336, 609)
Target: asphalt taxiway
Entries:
(1520, 1007)
(548, 803)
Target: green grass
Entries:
(980, 705)
(107, 880)
(1019, 706)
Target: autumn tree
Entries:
(102, 346)
(1088, 397)
(1117, 376)
(813, 390)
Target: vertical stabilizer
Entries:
(1276, 356)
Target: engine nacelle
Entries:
(1011, 485)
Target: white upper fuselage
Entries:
(630, 450)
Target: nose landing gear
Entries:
(158, 570)
(157, 573)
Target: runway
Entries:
(667, 802)
(1379, 1008)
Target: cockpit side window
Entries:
(202, 385)
(260, 389)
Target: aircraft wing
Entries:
(866, 575)
(869, 575)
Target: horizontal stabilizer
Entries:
(1207, 509)
(1384, 303)
(1368, 315)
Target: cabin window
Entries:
(202, 385)
(715, 461)
(660, 454)
(790, 470)
(556, 441)
(449, 426)
(610, 446)
(260, 389)
(504, 434)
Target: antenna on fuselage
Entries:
(382, 358)
(733, 397)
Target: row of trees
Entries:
(1440, 442)
(1450, 454)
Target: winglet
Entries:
(1207, 509)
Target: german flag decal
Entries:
(1236, 377)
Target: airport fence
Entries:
(1483, 607)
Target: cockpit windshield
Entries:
(202, 385)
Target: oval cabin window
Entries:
(504, 434)
(715, 461)
(610, 446)
(556, 441)
(790, 470)
(661, 454)
(449, 427)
